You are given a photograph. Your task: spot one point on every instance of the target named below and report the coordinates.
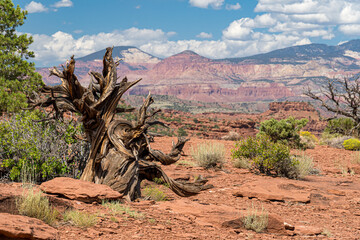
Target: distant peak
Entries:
(188, 52)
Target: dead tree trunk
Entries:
(120, 154)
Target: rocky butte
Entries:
(278, 75)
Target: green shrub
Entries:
(284, 130)
(181, 132)
(37, 206)
(41, 150)
(208, 155)
(341, 126)
(266, 156)
(352, 144)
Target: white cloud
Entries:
(239, 30)
(216, 4)
(34, 7)
(204, 35)
(350, 29)
(63, 3)
(58, 47)
(236, 6)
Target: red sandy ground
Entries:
(334, 207)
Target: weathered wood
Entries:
(120, 154)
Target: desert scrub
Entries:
(271, 158)
(154, 194)
(37, 206)
(284, 130)
(304, 166)
(232, 136)
(80, 219)
(241, 162)
(308, 140)
(340, 126)
(209, 154)
(334, 140)
(117, 208)
(43, 150)
(352, 144)
(256, 220)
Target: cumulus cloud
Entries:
(63, 3)
(35, 7)
(236, 6)
(204, 35)
(350, 29)
(59, 46)
(216, 4)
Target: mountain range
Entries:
(278, 75)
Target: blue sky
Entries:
(212, 28)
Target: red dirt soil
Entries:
(333, 210)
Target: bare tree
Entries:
(120, 154)
(341, 97)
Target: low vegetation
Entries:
(285, 130)
(117, 208)
(352, 144)
(266, 156)
(208, 155)
(80, 219)
(256, 220)
(38, 151)
(36, 205)
(154, 193)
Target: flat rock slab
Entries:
(75, 189)
(22, 227)
(274, 189)
(202, 214)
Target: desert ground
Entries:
(321, 206)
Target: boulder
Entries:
(22, 227)
(75, 189)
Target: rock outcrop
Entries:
(75, 189)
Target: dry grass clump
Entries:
(209, 154)
(242, 162)
(154, 194)
(80, 219)
(335, 142)
(305, 166)
(37, 206)
(232, 136)
(256, 220)
(117, 208)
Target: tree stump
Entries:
(120, 154)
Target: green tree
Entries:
(17, 76)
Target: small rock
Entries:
(289, 226)
(307, 230)
(79, 190)
(22, 227)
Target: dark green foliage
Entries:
(17, 76)
(181, 132)
(42, 150)
(266, 156)
(284, 130)
(340, 126)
